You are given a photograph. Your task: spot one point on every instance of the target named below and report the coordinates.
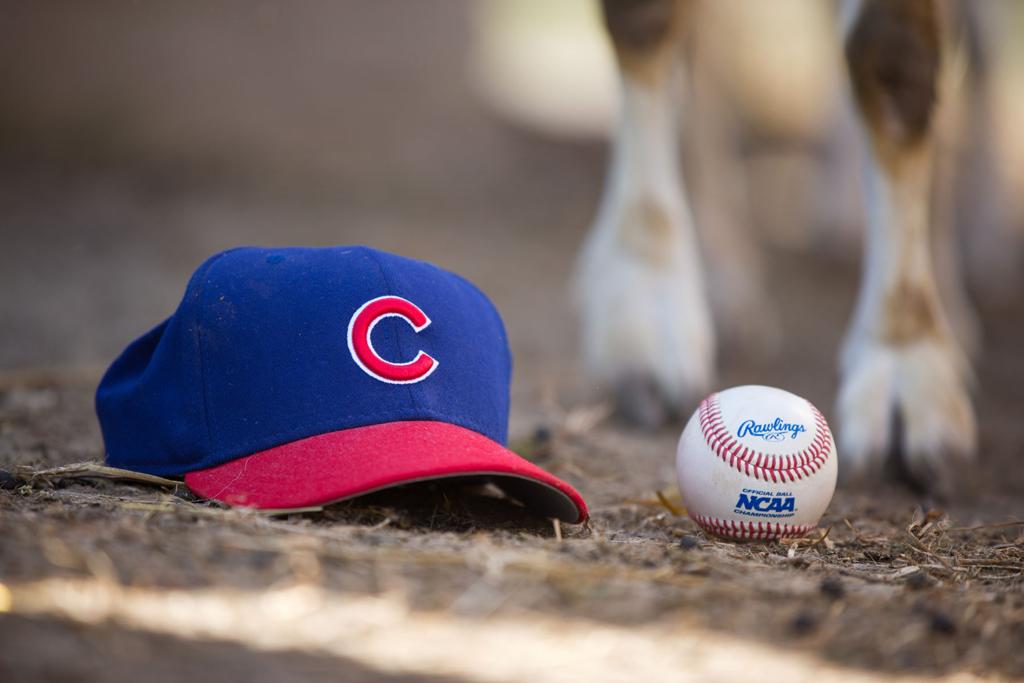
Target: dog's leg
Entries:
(900, 358)
(646, 326)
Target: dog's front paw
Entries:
(646, 327)
(910, 402)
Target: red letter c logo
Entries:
(360, 330)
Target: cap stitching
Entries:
(200, 293)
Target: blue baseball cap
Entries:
(297, 377)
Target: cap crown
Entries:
(269, 346)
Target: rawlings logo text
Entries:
(770, 431)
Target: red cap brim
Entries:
(331, 467)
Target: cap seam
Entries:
(398, 339)
(200, 308)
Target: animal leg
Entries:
(901, 364)
(646, 326)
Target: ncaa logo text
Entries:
(360, 344)
(765, 503)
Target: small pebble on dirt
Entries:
(542, 434)
(832, 588)
(918, 581)
(9, 482)
(942, 624)
(688, 543)
(538, 447)
(803, 624)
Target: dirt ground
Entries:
(110, 581)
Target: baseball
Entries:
(756, 463)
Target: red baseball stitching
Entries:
(761, 531)
(763, 466)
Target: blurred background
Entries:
(136, 138)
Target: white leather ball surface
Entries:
(756, 463)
